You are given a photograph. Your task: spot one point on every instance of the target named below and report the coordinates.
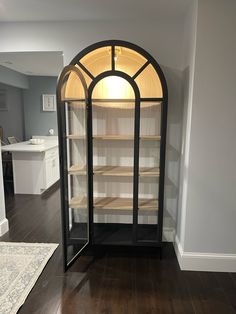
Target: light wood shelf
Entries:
(115, 103)
(76, 137)
(115, 203)
(116, 171)
(150, 137)
(73, 99)
(115, 137)
(118, 104)
(77, 169)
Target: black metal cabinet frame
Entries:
(88, 90)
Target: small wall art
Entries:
(49, 102)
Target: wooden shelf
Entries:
(150, 137)
(115, 203)
(115, 137)
(126, 137)
(73, 99)
(113, 103)
(76, 137)
(125, 104)
(116, 171)
(77, 169)
(113, 100)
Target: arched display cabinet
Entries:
(112, 112)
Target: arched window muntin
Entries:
(110, 47)
(120, 74)
(66, 80)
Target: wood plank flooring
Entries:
(112, 283)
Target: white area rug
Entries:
(20, 266)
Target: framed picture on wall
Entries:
(3, 100)
(49, 102)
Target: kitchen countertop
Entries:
(28, 147)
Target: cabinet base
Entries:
(118, 234)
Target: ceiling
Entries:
(33, 63)
(82, 10)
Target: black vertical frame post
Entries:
(136, 169)
(61, 114)
(63, 175)
(113, 58)
(90, 165)
(162, 165)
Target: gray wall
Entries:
(37, 121)
(13, 78)
(12, 120)
(211, 214)
(173, 144)
(188, 80)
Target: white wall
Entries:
(212, 177)
(173, 150)
(163, 40)
(190, 29)
(210, 233)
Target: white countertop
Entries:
(28, 147)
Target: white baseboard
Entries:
(204, 261)
(4, 226)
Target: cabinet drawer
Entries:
(51, 153)
(51, 171)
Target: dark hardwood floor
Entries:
(111, 283)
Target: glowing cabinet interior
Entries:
(112, 112)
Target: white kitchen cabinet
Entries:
(51, 164)
(35, 167)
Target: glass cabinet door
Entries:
(113, 151)
(149, 160)
(74, 166)
(113, 111)
(78, 223)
